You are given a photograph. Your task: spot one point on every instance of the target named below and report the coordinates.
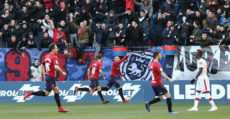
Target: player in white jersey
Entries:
(202, 85)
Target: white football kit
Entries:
(203, 84)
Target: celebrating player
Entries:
(93, 75)
(202, 85)
(51, 64)
(156, 83)
(113, 81)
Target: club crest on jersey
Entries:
(136, 66)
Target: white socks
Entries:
(209, 97)
(197, 99)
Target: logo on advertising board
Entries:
(129, 92)
(70, 97)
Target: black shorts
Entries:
(159, 90)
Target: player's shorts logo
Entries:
(136, 66)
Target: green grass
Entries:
(110, 111)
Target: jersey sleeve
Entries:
(160, 68)
(200, 64)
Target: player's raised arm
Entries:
(165, 76)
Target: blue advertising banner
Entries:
(183, 91)
(13, 92)
(138, 91)
(14, 67)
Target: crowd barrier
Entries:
(138, 91)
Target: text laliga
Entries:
(217, 91)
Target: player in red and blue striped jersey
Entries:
(113, 77)
(93, 74)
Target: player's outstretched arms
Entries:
(165, 76)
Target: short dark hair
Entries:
(221, 25)
(51, 46)
(36, 59)
(116, 56)
(200, 51)
(155, 54)
(99, 56)
(204, 33)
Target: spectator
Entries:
(204, 41)
(144, 24)
(215, 33)
(101, 37)
(211, 22)
(32, 41)
(59, 36)
(45, 41)
(219, 13)
(184, 31)
(72, 32)
(223, 33)
(83, 15)
(22, 44)
(25, 28)
(83, 36)
(118, 35)
(158, 29)
(113, 5)
(89, 6)
(199, 18)
(168, 6)
(35, 72)
(22, 15)
(46, 25)
(17, 31)
(12, 43)
(37, 14)
(170, 36)
(101, 10)
(49, 3)
(130, 16)
(181, 17)
(134, 34)
(196, 33)
(226, 41)
(225, 21)
(61, 12)
(146, 6)
(204, 6)
(111, 18)
(183, 4)
(6, 35)
(47, 12)
(65, 29)
(129, 5)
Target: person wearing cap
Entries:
(83, 32)
(25, 28)
(59, 36)
(130, 16)
(32, 41)
(111, 18)
(22, 44)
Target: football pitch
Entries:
(110, 111)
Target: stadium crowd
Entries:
(38, 23)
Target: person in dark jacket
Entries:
(101, 37)
(32, 41)
(12, 43)
(211, 21)
(223, 33)
(45, 41)
(183, 4)
(81, 16)
(25, 28)
(65, 29)
(118, 36)
(113, 5)
(22, 44)
(18, 31)
(111, 18)
(22, 15)
(6, 34)
(168, 6)
(144, 24)
(89, 6)
(37, 14)
(101, 10)
(61, 12)
(204, 41)
(199, 18)
(134, 33)
(184, 31)
(170, 36)
(158, 29)
(130, 16)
